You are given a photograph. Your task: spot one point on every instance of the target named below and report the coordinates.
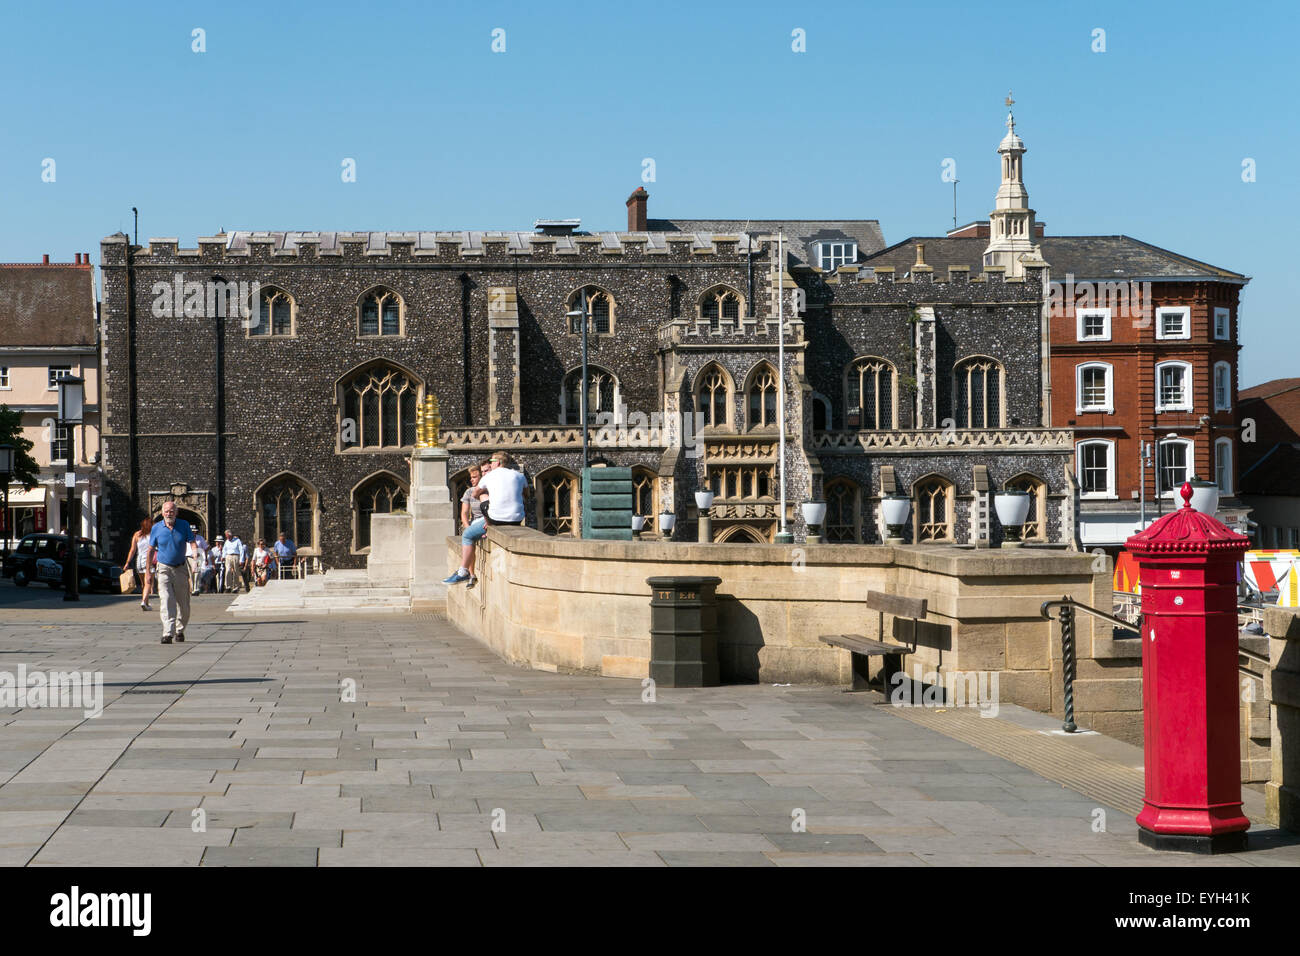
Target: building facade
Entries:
(1270, 461)
(49, 327)
(1141, 356)
(299, 416)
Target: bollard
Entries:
(1191, 713)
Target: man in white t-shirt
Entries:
(504, 485)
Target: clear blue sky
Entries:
(1146, 139)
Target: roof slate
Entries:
(47, 305)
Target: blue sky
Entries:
(1145, 139)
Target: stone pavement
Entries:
(449, 756)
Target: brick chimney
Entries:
(636, 210)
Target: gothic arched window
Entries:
(720, 302)
(977, 393)
(600, 311)
(713, 396)
(869, 394)
(932, 505)
(558, 497)
(380, 313)
(843, 524)
(378, 408)
(286, 503)
(380, 494)
(602, 395)
(274, 313)
(760, 397)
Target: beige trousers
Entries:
(173, 597)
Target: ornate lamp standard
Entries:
(704, 501)
(71, 399)
(894, 509)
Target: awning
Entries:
(27, 499)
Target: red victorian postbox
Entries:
(1191, 710)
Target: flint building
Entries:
(301, 417)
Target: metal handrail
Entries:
(1067, 607)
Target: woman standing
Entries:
(140, 551)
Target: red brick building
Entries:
(1270, 461)
(1140, 355)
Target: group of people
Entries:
(172, 557)
(495, 496)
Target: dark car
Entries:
(40, 557)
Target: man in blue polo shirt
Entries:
(167, 540)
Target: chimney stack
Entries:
(45, 259)
(636, 214)
(920, 255)
(85, 258)
(77, 258)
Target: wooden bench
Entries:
(863, 648)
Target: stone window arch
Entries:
(289, 503)
(721, 302)
(601, 310)
(821, 412)
(741, 534)
(645, 498)
(977, 394)
(761, 396)
(381, 493)
(932, 509)
(1035, 528)
(377, 405)
(557, 502)
(870, 394)
(380, 312)
(713, 395)
(843, 511)
(276, 314)
(602, 395)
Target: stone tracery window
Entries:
(274, 313)
(380, 313)
(1035, 528)
(736, 482)
(645, 498)
(602, 395)
(381, 494)
(720, 302)
(761, 398)
(559, 502)
(713, 395)
(869, 394)
(600, 311)
(977, 393)
(843, 525)
(378, 409)
(286, 504)
(932, 507)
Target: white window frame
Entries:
(4, 378)
(840, 252)
(1186, 405)
(1110, 467)
(51, 379)
(1189, 468)
(1083, 314)
(1222, 323)
(1109, 405)
(1226, 369)
(1222, 477)
(58, 437)
(1183, 310)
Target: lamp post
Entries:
(638, 525)
(895, 509)
(6, 472)
(71, 398)
(666, 521)
(1012, 507)
(704, 501)
(814, 515)
(582, 398)
(783, 536)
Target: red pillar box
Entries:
(1188, 563)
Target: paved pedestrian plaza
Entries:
(242, 747)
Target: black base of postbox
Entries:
(1194, 843)
(684, 660)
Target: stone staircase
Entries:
(337, 591)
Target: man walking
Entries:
(233, 556)
(167, 541)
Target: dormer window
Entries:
(832, 255)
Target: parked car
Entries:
(40, 557)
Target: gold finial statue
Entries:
(427, 422)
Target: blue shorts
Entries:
(476, 530)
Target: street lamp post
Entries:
(6, 472)
(783, 536)
(582, 397)
(71, 398)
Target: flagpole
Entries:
(783, 536)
